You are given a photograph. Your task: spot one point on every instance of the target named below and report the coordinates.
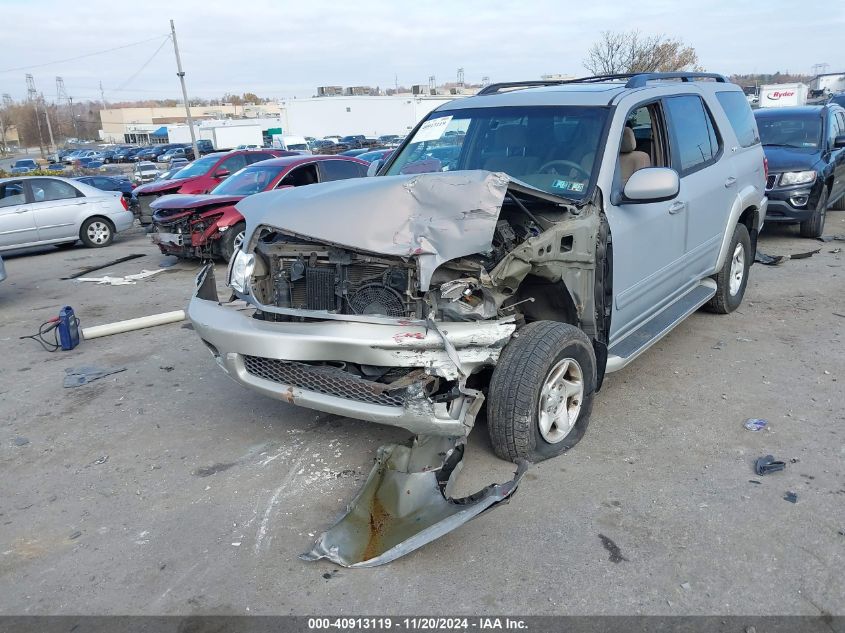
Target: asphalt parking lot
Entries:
(169, 489)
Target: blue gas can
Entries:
(68, 328)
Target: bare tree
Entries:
(632, 52)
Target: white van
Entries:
(291, 143)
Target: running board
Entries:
(638, 341)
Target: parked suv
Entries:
(805, 147)
(201, 176)
(579, 222)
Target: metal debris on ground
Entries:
(776, 260)
(829, 238)
(755, 424)
(791, 497)
(78, 376)
(21, 441)
(107, 264)
(126, 280)
(405, 504)
(768, 464)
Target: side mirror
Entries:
(221, 173)
(652, 184)
(374, 166)
(839, 142)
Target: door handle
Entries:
(730, 182)
(677, 207)
(19, 211)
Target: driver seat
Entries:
(630, 160)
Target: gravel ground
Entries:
(169, 489)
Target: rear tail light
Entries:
(765, 168)
(124, 203)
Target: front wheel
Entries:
(96, 232)
(814, 227)
(541, 392)
(232, 240)
(733, 277)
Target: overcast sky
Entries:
(279, 48)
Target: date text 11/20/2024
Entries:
(417, 624)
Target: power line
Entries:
(73, 59)
(143, 66)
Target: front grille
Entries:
(326, 380)
(144, 203)
(770, 181)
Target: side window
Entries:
(340, 170)
(649, 135)
(833, 129)
(11, 194)
(44, 190)
(302, 175)
(257, 157)
(693, 132)
(740, 116)
(233, 163)
(103, 183)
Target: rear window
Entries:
(740, 116)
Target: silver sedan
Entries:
(50, 210)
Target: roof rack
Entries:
(635, 80)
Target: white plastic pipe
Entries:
(107, 329)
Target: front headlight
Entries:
(797, 178)
(240, 271)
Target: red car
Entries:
(210, 226)
(201, 176)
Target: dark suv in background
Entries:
(805, 148)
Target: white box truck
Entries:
(783, 95)
(231, 136)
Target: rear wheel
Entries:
(732, 279)
(541, 392)
(839, 205)
(96, 232)
(814, 227)
(232, 240)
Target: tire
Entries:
(232, 240)
(839, 205)
(728, 297)
(96, 232)
(527, 367)
(814, 227)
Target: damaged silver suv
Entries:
(519, 245)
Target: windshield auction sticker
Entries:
(432, 130)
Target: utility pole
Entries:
(49, 127)
(181, 75)
(32, 97)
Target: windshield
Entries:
(197, 168)
(800, 132)
(552, 148)
(247, 181)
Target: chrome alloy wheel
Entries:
(737, 269)
(560, 400)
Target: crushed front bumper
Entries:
(277, 359)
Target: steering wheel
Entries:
(565, 163)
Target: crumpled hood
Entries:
(158, 186)
(434, 217)
(187, 201)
